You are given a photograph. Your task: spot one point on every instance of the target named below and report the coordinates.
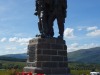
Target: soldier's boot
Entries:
(60, 37)
(43, 36)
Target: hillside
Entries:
(91, 55)
(14, 57)
(19, 56)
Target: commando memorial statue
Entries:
(48, 55)
(47, 11)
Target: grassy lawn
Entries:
(9, 72)
(79, 72)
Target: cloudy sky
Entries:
(18, 25)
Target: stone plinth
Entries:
(47, 56)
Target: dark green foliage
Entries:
(83, 66)
(12, 64)
(0, 65)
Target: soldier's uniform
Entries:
(58, 12)
(39, 12)
(42, 10)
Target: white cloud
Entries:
(14, 39)
(3, 39)
(76, 46)
(25, 40)
(94, 33)
(25, 49)
(73, 47)
(81, 28)
(20, 41)
(69, 33)
(25, 44)
(11, 48)
(92, 28)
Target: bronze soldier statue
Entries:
(48, 11)
(58, 11)
(42, 10)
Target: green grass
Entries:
(3, 72)
(79, 72)
(9, 72)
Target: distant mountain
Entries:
(19, 56)
(91, 55)
(14, 57)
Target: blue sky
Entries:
(18, 25)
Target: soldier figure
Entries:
(42, 10)
(58, 12)
(48, 11)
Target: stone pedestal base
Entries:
(47, 56)
(47, 71)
